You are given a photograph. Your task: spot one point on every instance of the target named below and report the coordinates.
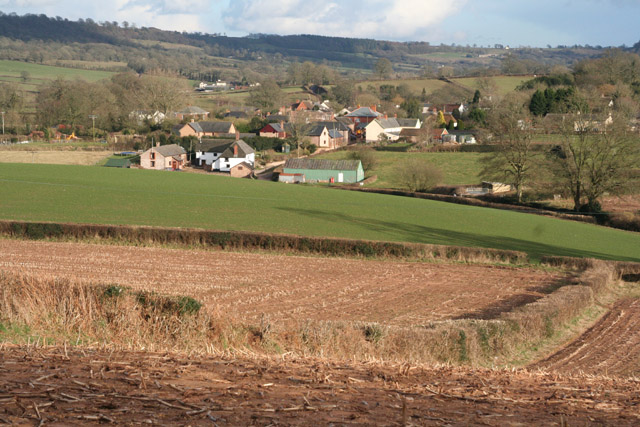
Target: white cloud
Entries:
(379, 19)
(169, 7)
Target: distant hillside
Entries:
(42, 39)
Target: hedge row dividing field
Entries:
(79, 194)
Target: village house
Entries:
(273, 130)
(202, 129)
(164, 157)
(191, 112)
(322, 170)
(140, 116)
(389, 128)
(233, 156)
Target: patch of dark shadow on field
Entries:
(415, 233)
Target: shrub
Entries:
(419, 175)
(366, 156)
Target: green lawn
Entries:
(86, 194)
(457, 168)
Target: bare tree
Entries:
(595, 157)
(511, 126)
(298, 130)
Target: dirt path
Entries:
(610, 347)
(291, 287)
(62, 387)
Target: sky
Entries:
(474, 22)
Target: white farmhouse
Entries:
(389, 128)
(224, 155)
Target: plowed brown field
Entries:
(610, 347)
(292, 287)
(53, 386)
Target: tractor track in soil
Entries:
(610, 347)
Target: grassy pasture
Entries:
(415, 85)
(505, 84)
(137, 197)
(40, 73)
(457, 168)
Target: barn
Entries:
(323, 170)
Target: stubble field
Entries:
(251, 285)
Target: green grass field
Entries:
(39, 73)
(457, 168)
(87, 194)
(504, 84)
(415, 85)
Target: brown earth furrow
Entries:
(60, 386)
(610, 347)
(281, 287)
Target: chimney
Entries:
(385, 117)
(237, 134)
(395, 116)
(374, 108)
(235, 150)
(158, 144)
(192, 120)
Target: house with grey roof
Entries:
(191, 112)
(388, 128)
(322, 170)
(202, 129)
(224, 155)
(164, 157)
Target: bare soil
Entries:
(54, 157)
(610, 347)
(250, 285)
(56, 386)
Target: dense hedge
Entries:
(249, 240)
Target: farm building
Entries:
(225, 155)
(322, 170)
(164, 157)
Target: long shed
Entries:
(323, 170)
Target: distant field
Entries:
(457, 168)
(505, 84)
(86, 194)
(415, 85)
(87, 158)
(12, 69)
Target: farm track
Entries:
(250, 285)
(60, 386)
(610, 347)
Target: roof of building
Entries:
(388, 123)
(316, 130)
(169, 150)
(192, 109)
(337, 125)
(363, 112)
(335, 133)
(213, 145)
(278, 117)
(216, 127)
(118, 163)
(275, 126)
(243, 150)
(408, 123)
(322, 164)
(410, 132)
(236, 114)
(196, 126)
(245, 164)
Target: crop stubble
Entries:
(250, 285)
